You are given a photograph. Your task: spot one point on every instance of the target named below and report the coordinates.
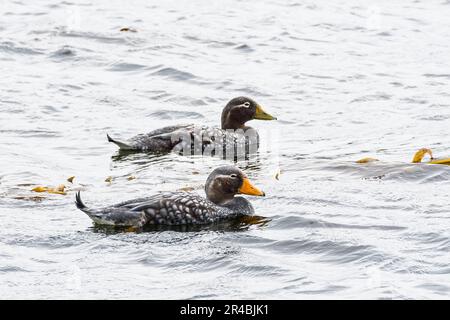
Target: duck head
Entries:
(227, 181)
(240, 110)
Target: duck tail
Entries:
(95, 215)
(80, 205)
(121, 145)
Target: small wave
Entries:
(123, 67)
(189, 101)
(63, 52)
(373, 97)
(210, 42)
(441, 289)
(255, 270)
(10, 47)
(438, 241)
(41, 133)
(92, 36)
(436, 75)
(384, 34)
(414, 101)
(316, 76)
(420, 22)
(420, 172)
(292, 222)
(252, 92)
(244, 48)
(12, 269)
(174, 114)
(327, 250)
(437, 117)
(308, 39)
(174, 74)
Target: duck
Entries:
(182, 207)
(193, 139)
(417, 158)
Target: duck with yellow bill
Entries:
(182, 208)
(192, 138)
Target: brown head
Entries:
(227, 181)
(240, 110)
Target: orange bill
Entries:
(248, 188)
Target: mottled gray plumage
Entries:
(178, 208)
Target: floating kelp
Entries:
(366, 160)
(418, 157)
(60, 189)
(54, 190)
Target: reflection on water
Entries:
(233, 225)
(137, 157)
(130, 155)
(143, 160)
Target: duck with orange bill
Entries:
(182, 208)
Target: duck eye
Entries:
(246, 104)
(233, 175)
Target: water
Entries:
(346, 79)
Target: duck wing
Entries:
(180, 208)
(159, 140)
(170, 208)
(191, 139)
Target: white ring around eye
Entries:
(246, 104)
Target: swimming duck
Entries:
(418, 156)
(182, 208)
(190, 138)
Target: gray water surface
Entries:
(346, 79)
